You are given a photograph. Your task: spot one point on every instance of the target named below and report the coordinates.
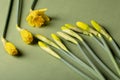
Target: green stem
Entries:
(90, 62)
(100, 62)
(75, 69)
(7, 19)
(110, 54)
(80, 62)
(115, 48)
(19, 11)
(33, 4)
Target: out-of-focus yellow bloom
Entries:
(44, 39)
(59, 42)
(48, 49)
(9, 47)
(100, 29)
(67, 37)
(72, 33)
(37, 18)
(26, 36)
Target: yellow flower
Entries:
(37, 18)
(9, 47)
(26, 36)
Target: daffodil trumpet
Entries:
(63, 51)
(100, 29)
(53, 53)
(69, 38)
(72, 33)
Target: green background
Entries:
(36, 64)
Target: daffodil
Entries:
(9, 47)
(48, 49)
(67, 37)
(46, 40)
(72, 33)
(37, 18)
(100, 29)
(58, 41)
(26, 36)
(85, 27)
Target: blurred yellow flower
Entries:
(9, 47)
(26, 36)
(37, 18)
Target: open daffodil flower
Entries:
(37, 18)
(26, 36)
(9, 47)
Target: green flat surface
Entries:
(36, 64)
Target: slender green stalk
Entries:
(33, 4)
(19, 11)
(100, 29)
(116, 49)
(99, 61)
(110, 54)
(75, 69)
(80, 62)
(7, 19)
(91, 63)
(56, 55)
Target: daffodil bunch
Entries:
(63, 49)
(100, 31)
(54, 54)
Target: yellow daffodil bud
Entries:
(83, 26)
(67, 37)
(37, 18)
(44, 39)
(59, 42)
(73, 28)
(100, 29)
(26, 36)
(48, 49)
(72, 33)
(9, 47)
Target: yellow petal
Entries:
(37, 18)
